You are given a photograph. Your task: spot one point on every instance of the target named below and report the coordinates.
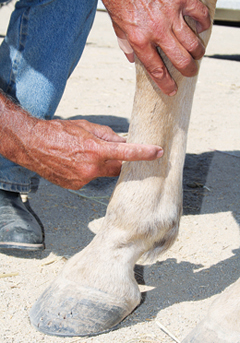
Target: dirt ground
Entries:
(178, 288)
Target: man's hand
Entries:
(69, 153)
(144, 25)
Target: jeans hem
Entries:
(20, 188)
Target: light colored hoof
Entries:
(205, 333)
(70, 310)
(222, 324)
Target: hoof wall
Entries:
(70, 310)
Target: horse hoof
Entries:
(201, 333)
(69, 310)
(221, 324)
(208, 333)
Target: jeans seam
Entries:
(15, 183)
(21, 45)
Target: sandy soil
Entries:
(180, 286)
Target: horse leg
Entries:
(97, 289)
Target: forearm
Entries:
(16, 126)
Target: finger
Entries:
(126, 48)
(111, 168)
(156, 68)
(123, 43)
(101, 131)
(189, 40)
(107, 134)
(199, 12)
(130, 57)
(153, 63)
(102, 168)
(178, 55)
(130, 152)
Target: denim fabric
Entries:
(44, 42)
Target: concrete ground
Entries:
(180, 286)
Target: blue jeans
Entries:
(44, 42)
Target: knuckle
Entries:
(137, 41)
(108, 129)
(193, 45)
(205, 16)
(185, 62)
(158, 73)
(205, 12)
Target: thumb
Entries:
(124, 44)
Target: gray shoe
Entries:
(19, 228)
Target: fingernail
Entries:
(173, 93)
(160, 153)
(125, 46)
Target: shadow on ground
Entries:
(235, 57)
(180, 282)
(117, 124)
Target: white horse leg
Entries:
(97, 288)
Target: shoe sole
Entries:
(21, 246)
